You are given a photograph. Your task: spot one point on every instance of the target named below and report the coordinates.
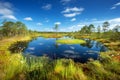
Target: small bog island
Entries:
(71, 41)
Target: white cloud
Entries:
(115, 5)
(113, 22)
(47, 6)
(72, 12)
(73, 19)
(9, 17)
(57, 23)
(28, 19)
(71, 28)
(65, 1)
(6, 11)
(74, 9)
(75, 27)
(39, 24)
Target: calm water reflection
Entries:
(78, 52)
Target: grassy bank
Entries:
(11, 64)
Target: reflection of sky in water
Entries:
(72, 47)
(31, 48)
(40, 43)
(42, 46)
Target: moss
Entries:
(71, 41)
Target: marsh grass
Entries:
(67, 70)
(71, 41)
(37, 67)
(51, 35)
(43, 68)
(11, 66)
(18, 67)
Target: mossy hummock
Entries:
(71, 41)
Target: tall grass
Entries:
(19, 67)
(11, 66)
(66, 69)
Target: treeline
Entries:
(103, 31)
(87, 29)
(9, 29)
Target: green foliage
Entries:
(9, 29)
(105, 26)
(91, 28)
(56, 27)
(87, 29)
(98, 29)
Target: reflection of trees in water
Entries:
(103, 49)
(34, 38)
(18, 46)
(56, 45)
(90, 43)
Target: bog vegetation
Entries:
(15, 66)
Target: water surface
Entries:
(78, 52)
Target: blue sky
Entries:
(71, 15)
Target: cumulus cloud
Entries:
(72, 12)
(47, 7)
(71, 28)
(57, 23)
(6, 11)
(73, 19)
(28, 19)
(74, 9)
(115, 5)
(39, 24)
(65, 1)
(113, 22)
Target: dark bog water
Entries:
(80, 53)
